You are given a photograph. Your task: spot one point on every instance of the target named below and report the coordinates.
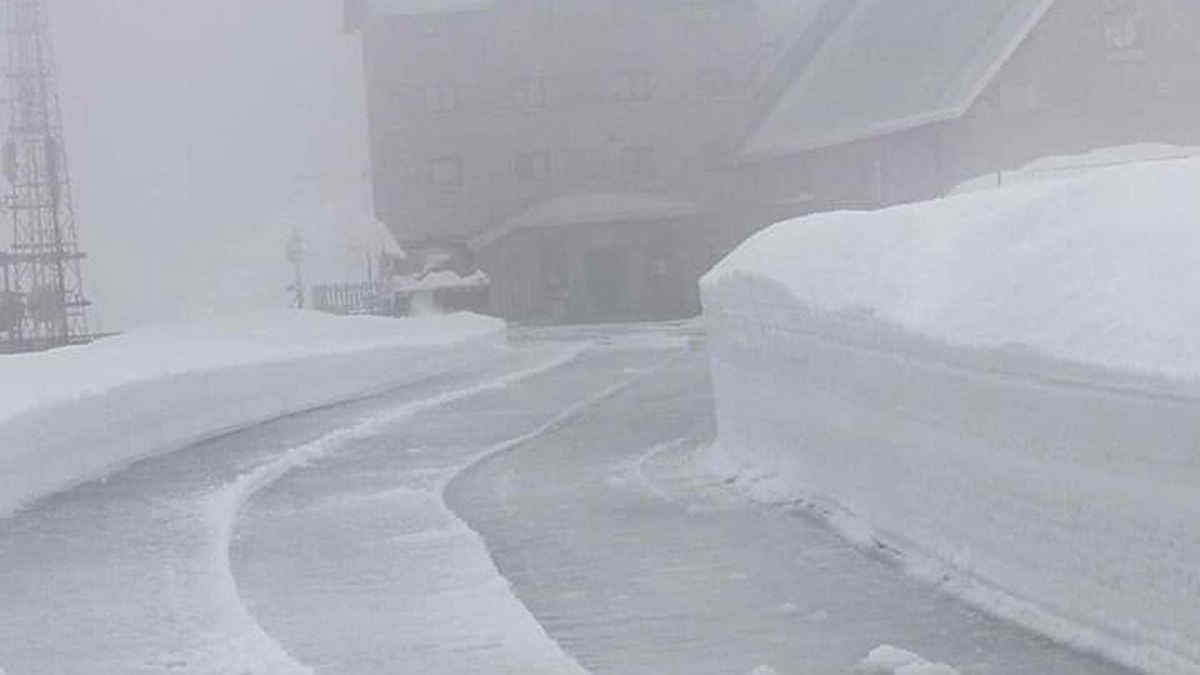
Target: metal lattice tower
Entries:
(43, 303)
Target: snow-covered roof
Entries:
(414, 7)
(891, 65)
(590, 209)
(1062, 167)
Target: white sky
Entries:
(200, 132)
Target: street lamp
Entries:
(295, 255)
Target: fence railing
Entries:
(349, 298)
(381, 298)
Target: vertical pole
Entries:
(45, 261)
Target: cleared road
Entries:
(371, 538)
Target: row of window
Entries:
(635, 162)
(442, 25)
(634, 86)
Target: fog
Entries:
(200, 134)
(725, 337)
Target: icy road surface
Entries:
(540, 514)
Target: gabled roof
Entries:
(891, 65)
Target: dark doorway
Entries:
(607, 273)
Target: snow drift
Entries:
(73, 414)
(1005, 384)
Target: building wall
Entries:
(630, 270)
(1093, 73)
(476, 116)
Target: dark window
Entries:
(446, 171)
(401, 169)
(532, 166)
(1124, 32)
(530, 93)
(544, 9)
(441, 98)
(607, 274)
(704, 12)
(638, 162)
(716, 83)
(634, 85)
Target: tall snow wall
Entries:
(157, 391)
(1004, 384)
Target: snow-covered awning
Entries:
(590, 209)
(414, 7)
(887, 66)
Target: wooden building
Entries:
(594, 157)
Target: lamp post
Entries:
(295, 255)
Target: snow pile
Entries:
(1097, 269)
(1070, 166)
(438, 280)
(72, 414)
(30, 381)
(1004, 386)
(889, 660)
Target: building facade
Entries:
(594, 157)
(918, 112)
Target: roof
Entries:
(590, 209)
(887, 66)
(415, 7)
(358, 12)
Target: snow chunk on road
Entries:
(889, 660)
(886, 658)
(1094, 269)
(29, 381)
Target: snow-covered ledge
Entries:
(71, 415)
(1003, 386)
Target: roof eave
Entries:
(954, 111)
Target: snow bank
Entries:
(72, 414)
(1059, 167)
(438, 280)
(1004, 385)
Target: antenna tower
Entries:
(42, 303)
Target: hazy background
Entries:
(200, 133)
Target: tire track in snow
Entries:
(250, 646)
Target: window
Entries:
(716, 83)
(446, 171)
(634, 85)
(546, 10)
(441, 98)
(638, 162)
(530, 93)
(532, 166)
(703, 11)
(1123, 28)
(401, 169)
